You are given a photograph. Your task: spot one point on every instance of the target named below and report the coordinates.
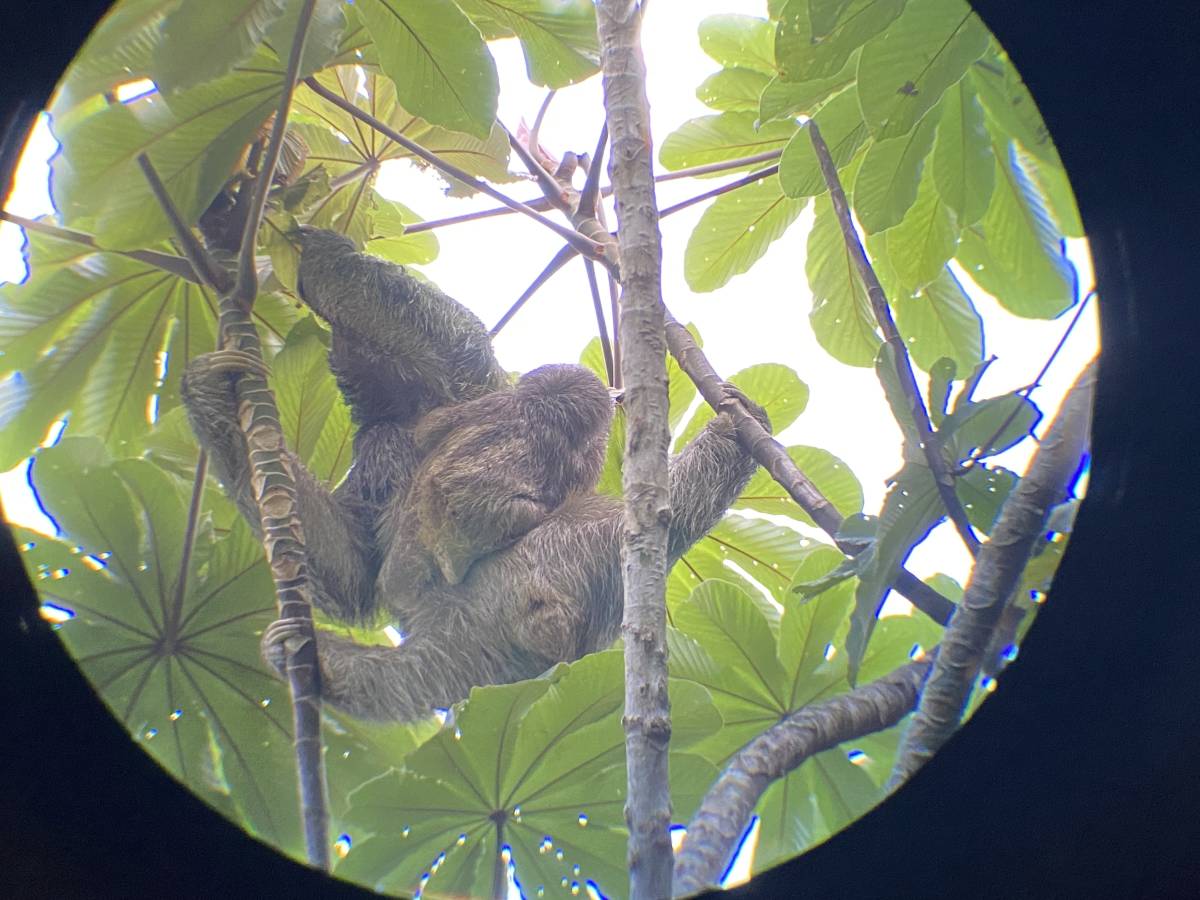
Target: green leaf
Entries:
(194, 139)
(831, 476)
(86, 340)
(542, 758)
(900, 639)
(810, 627)
(921, 245)
(816, 37)
(437, 60)
(173, 650)
(1051, 180)
(322, 38)
(904, 71)
(774, 387)
(1011, 109)
(732, 90)
(890, 174)
(912, 507)
(118, 51)
(390, 240)
(843, 131)
(941, 380)
(786, 99)
(735, 231)
(963, 166)
(841, 316)
(315, 420)
(743, 41)
(1014, 252)
(898, 400)
(940, 321)
(766, 552)
(982, 491)
(990, 426)
(202, 41)
(728, 625)
(730, 135)
(559, 39)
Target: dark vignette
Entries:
(1080, 771)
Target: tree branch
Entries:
(541, 204)
(560, 259)
(647, 717)
(931, 445)
(995, 577)
(771, 455)
(601, 327)
(271, 477)
(723, 189)
(174, 265)
(718, 824)
(211, 275)
(577, 241)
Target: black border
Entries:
(1080, 777)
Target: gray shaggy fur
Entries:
(413, 364)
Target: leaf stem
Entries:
(931, 445)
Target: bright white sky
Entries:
(761, 316)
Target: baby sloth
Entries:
(493, 468)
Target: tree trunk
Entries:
(647, 502)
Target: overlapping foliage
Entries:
(952, 176)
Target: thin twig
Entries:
(246, 286)
(594, 287)
(551, 189)
(174, 265)
(541, 204)
(721, 166)
(931, 445)
(211, 275)
(772, 456)
(560, 259)
(723, 189)
(1031, 386)
(576, 240)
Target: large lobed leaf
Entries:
(437, 60)
(559, 40)
(735, 231)
(91, 335)
(904, 71)
(533, 770)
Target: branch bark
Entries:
(995, 577)
(931, 444)
(771, 455)
(647, 717)
(716, 827)
(271, 479)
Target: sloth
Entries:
(529, 574)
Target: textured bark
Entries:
(931, 445)
(647, 507)
(771, 455)
(717, 826)
(995, 577)
(272, 483)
